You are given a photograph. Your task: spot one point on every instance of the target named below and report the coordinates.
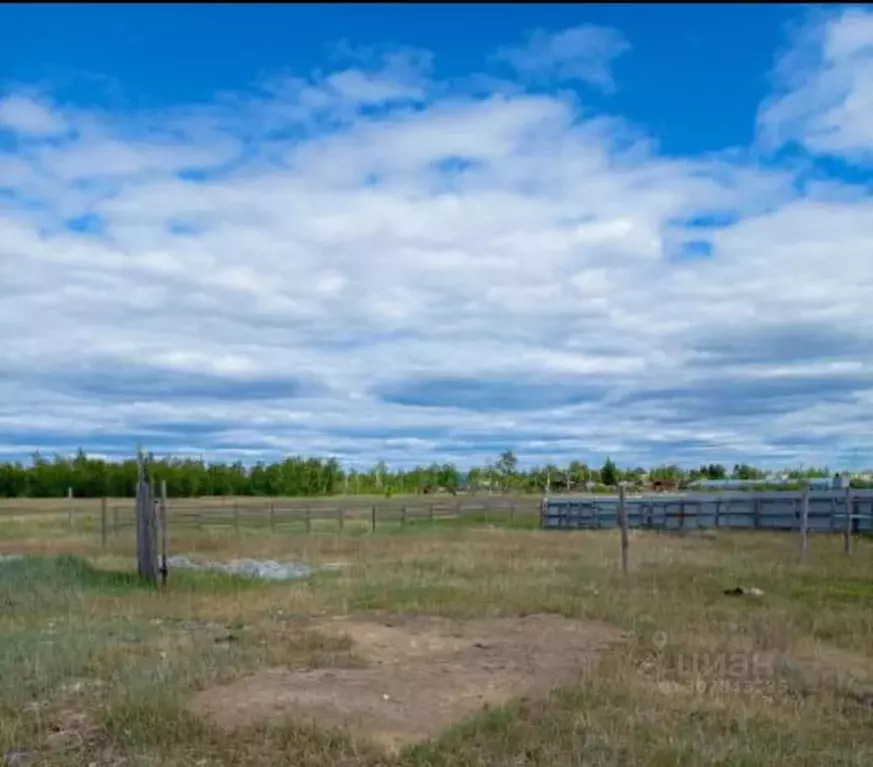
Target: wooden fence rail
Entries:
(111, 519)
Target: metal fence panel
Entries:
(770, 510)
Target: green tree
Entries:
(507, 465)
(609, 473)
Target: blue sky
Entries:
(420, 233)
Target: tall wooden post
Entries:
(804, 525)
(847, 531)
(103, 523)
(153, 527)
(373, 519)
(164, 532)
(70, 508)
(622, 523)
(145, 524)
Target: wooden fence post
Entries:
(403, 515)
(70, 508)
(847, 532)
(164, 532)
(373, 519)
(145, 520)
(272, 518)
(804, 525)
(622, 523)
(103, 523)
(236, 516)
(115, 521)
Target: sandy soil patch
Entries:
(421, 675)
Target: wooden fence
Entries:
(110, 518)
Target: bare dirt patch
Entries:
(422, 674)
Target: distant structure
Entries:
(840, 482)
(837, 482)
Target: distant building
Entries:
(840, 482)
(815, 483)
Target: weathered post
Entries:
(70, 508)
(272, 518)
(236, 516)
(164, 533)
(847, 531)
(373, 519)
(145, 518)
(403, 515)
(103, 523)
(804, 525)
(153, 527)
(622, 523)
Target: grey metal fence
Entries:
(772, 510)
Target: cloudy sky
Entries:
(438, 232)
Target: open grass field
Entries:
(456, 642)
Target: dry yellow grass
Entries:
(99, 670)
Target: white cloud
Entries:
(824, 96)
(583, 53)
(332, 270)
(25, 115)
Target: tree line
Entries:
(90, 477)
